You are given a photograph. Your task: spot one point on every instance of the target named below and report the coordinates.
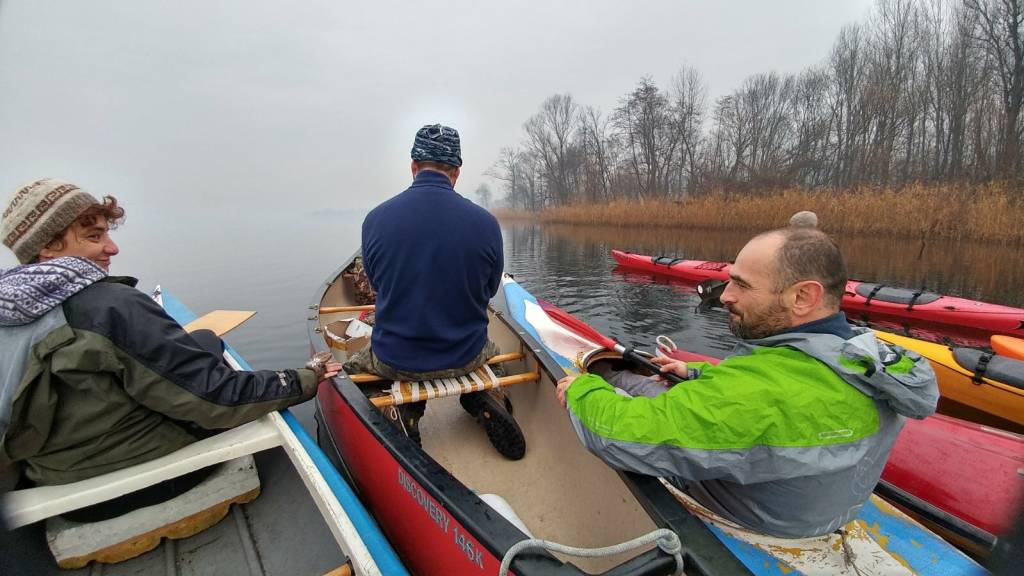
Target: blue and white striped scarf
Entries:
(29, 291)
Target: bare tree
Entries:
(643, 118)
(483, 192)
(550, 137)
(595, 140)
(922, 90)
(689, 94)
(507, 169)
(999, 33)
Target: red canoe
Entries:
(963, 469)
(867, 301)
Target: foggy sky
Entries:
(300, 105)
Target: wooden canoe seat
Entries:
(483, 378)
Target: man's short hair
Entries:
(438, 166)
(810, 254)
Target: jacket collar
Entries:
(127, 280)
(433, 179)
(834, 324)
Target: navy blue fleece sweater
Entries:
(435, 260)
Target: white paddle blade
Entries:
(555, 336)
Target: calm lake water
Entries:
(572, 266)
(273, 262)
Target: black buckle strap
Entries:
(913, 299)
(658, 261)
(872, 294)
(981, 368)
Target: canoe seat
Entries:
(75, 544)
(483, 378)
(23, 507)
(997, 368)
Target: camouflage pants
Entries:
(366, 361)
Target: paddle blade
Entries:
(575, 324)
(220, 321)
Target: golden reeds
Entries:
(989, 213)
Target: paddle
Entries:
(336, 309)
(584, 330)
(219, 321)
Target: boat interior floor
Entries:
(560, 491)
(279, 533)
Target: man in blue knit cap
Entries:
(435, 260)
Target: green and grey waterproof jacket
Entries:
(105, 379)
(787, 436)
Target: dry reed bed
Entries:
(988, 213)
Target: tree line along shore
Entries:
(985, 213)
(911, 125)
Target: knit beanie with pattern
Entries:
(437, 143)
(38, 212)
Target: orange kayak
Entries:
(1008, 346)
(975, 385)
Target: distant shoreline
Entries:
(987, 213)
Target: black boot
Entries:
(492, 409)
(410, 415)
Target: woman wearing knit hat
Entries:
(51, 218)
(97, 377)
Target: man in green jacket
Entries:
(94, 375)
(789, 434)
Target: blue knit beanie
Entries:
(437, 143)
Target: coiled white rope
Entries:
(667, 540)
(663, 345)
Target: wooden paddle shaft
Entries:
(334, 309)
(364, 377)
(389, 400)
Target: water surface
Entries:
(274, 262)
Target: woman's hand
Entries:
(324, 365)
(331, 370)
(677, 367)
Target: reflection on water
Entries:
(273, 264)
(572, 266)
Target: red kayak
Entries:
(962, 469)
(867, 301)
